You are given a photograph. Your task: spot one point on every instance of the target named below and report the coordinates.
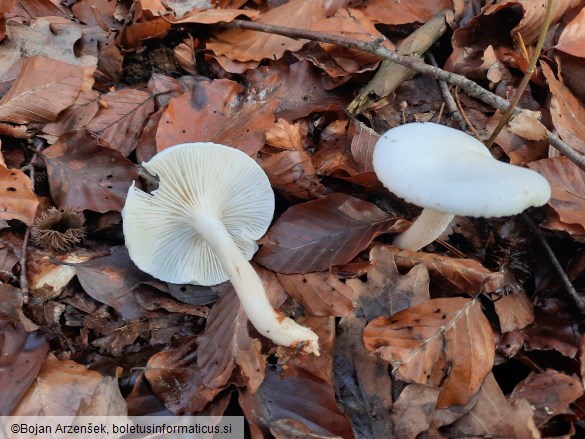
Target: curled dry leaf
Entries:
(550, 393)
(17, 200)
(465, 275)
(413, 11)
(318, 234)
(572, 39)
(218, 112)
(568, 189)
(568, 113)
(43, 89)
(445, 343)
(255, 46)
(285, 135)
(528, 126)
(67, 388)
(85, 175)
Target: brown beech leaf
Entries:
(322, 294)
(217, 111)
(362, 383)
(445, 343)
(255, 46)
(296, 394)
(226, 349)
(43, 89)
(572, 39)
(550, 393)
(363, 140)
(115, 280)
(212, 16)
(121, 118)
(21, 356)
(395, 13)
(515, 311)
(568, 189)
(553, 330)
(466, 275)
(568, 112)
(386, 292)
(494, 416)
(77, 115)
(293, 176)
(413, 411)
(177, 381)
(285, 135)
(85, 175)
(67, 388)
(17, 200)
(317, 234)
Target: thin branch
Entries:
(375, 47)
(448, 97)
(527, 75)
(574, 296)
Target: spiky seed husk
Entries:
(58, 230)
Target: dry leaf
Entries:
(404, 12)
(44, 88)
(572, 39)
(316, 235)
(212, 16)
(568, 113)
(217, 112)
(85, 175)
(17, 200)
(527, 125)
(568, 188)
(121, 118)
(413, 411)
(285, 135)
(445, 343)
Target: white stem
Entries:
(425, 229)
(248, 285)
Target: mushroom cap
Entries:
(194, 179)
(441, 168)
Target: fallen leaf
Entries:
(404, 12)
(318, 234)
(285, 135)
(413, 411)
(17, 199)
(177, 381)
(66, 388)
(212, 16)
(445, 343)
(494, 416)
(567, 183)
(555, 331)
(85, 175)
(217, 112)
(21, 356)
(550, 393)
(527, 125)
(296, 394)
(466, 275)
(568, 113)
(363, 140)
(121, 117)
(386, 291)
(44, 88)
(572, 39)
(322, 294)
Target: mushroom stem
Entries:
(250, 290)
(425, 229)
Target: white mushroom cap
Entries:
(444, 169)
(195, 178)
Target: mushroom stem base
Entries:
(425, 229)
(250, 290)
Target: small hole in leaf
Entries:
(183, 289)
(11, 189)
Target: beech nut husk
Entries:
(58, 230)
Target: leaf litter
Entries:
(474, 336)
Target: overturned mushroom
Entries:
(201, 225)
(448, 172)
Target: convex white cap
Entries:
(447, 171)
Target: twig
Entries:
(375, 47)
(448, 97)
(527, 75)
(575, 297)
(462, 112)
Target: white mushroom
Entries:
(448, 172)
(201, 225)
